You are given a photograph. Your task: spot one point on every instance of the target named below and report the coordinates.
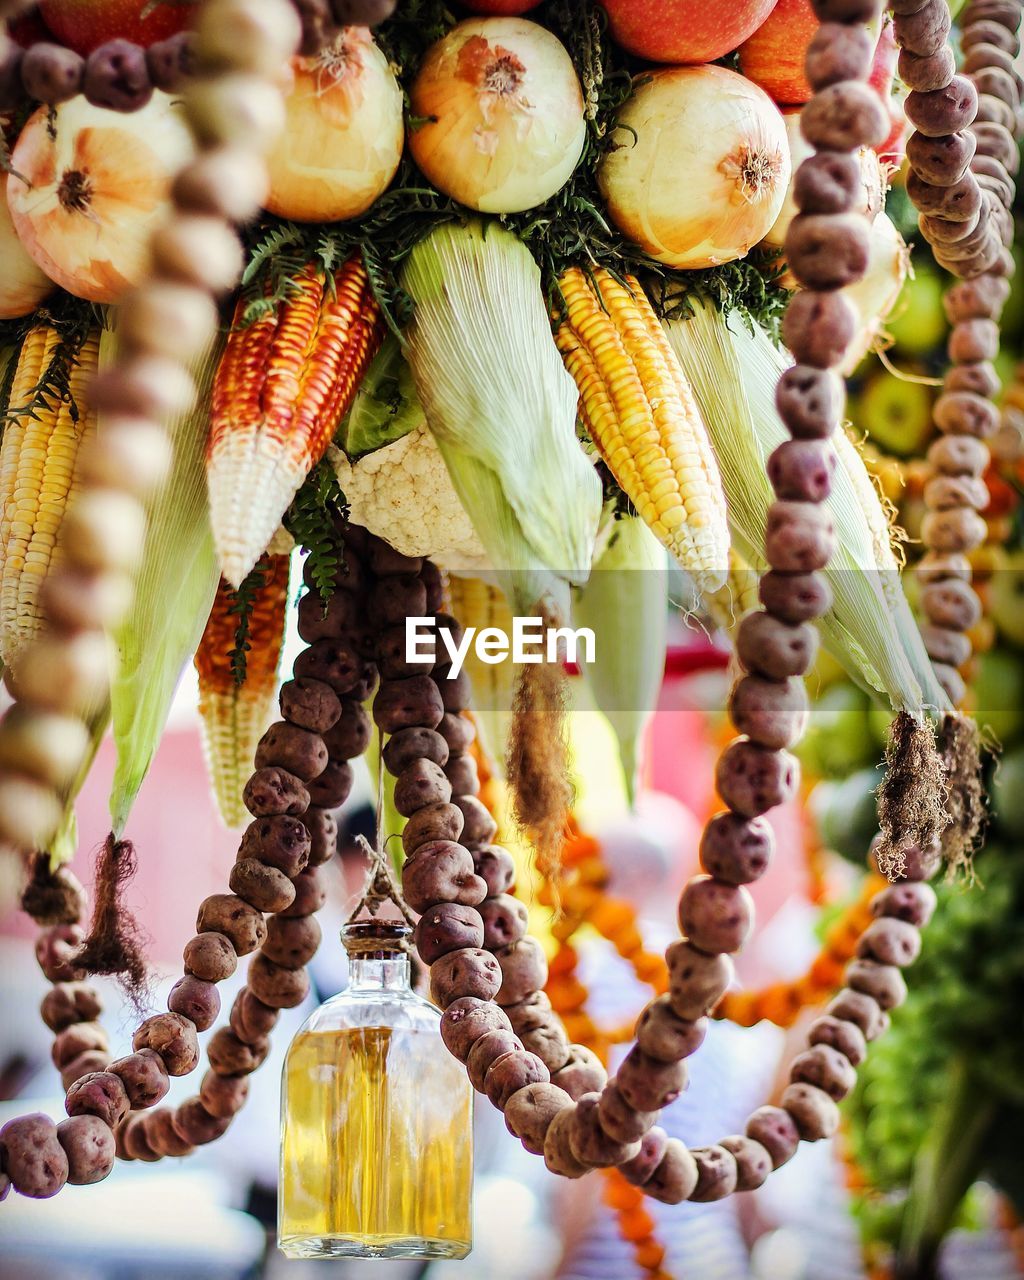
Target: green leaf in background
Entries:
(64, 844)
(175, 585)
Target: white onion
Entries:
(94, 190)
(504, 112)
(343, 136)
(875, 296)
(800, 149)
(701, 166)
(22, 285)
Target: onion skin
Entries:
(23, 285)
(96, 192)
(706, 174)
(344, 133)
(505, 119)
(875, 296)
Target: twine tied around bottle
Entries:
(381, 888)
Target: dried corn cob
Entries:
(235, 715)
(641, 414)
(37, 462)
(282, 388)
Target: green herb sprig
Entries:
(314, 519)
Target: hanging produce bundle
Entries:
(514, 319)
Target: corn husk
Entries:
(501, 405)
(625, 604)
(389, 822)
(175, 585)
(63, 845)
(734, 369)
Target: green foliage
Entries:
(414, 27)
(241, 607)
(314, 518)
(963, 1013)
(73, 319)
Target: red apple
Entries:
(893, 150)
(773, 56)
(684, 31)
(27, 30)
(883, 65)
(881, 78)
(84, 25)
(505, 8)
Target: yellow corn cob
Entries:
(234, 716)
(738, 596)
(37, 462)
(475, 603)
(640, 412)
(283, 385)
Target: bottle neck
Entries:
(379, 972)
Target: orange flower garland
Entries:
(580, 898)
(636, 1224)
(782, 1002)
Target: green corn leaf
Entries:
(175, 585)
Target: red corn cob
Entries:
(283, 385)
(234, 716)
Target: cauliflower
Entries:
(403, 493)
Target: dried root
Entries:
(960, 747)
(115, 942)
(912, 798)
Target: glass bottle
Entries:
(376, 1119)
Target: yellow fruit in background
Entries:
(825, 672)
(996, 698)
(983, 635)
(897, 415)
(918, 322)
(1006, 598)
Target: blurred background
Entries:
(214, 1214)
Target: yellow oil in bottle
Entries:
(376, 1143)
